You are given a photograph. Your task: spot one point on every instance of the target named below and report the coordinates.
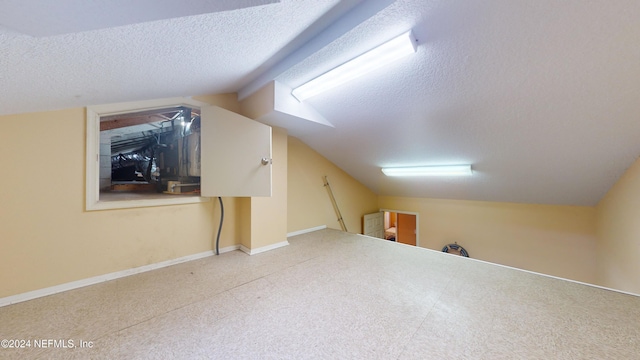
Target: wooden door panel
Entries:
(233, 147)
(406, 230)
(374, 225)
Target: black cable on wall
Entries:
(220, 227)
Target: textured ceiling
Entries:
(192, 55)
(41, 18)
(541, 96)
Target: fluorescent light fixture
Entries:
(445, 170)
(382, 55)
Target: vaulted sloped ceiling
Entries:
(540, 96)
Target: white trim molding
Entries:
(304, 231)
(263, 248)
(106, 277)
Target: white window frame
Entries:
(94, 113)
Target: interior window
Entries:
(143, 154)
(150, 152)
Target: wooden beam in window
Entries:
(129, 121)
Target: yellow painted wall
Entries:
(269, 214)
(46, 237)
(225, 101)
(618, 219)
(308, 203)
(554, 240)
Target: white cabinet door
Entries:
(374, 225)
(233, 149)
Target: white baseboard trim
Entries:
(304, 231)
(13, 299)
(264, 248)
(229, 249)
(280, 244)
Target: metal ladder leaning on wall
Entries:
(335, 204)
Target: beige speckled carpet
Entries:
(330, 295)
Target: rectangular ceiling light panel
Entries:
(447, 170)
(382, 55)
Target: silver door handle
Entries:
(266, 161)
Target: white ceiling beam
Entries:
(331, 32)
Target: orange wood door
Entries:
(406, 229)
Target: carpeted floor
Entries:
(329, 295)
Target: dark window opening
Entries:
(150, 152)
